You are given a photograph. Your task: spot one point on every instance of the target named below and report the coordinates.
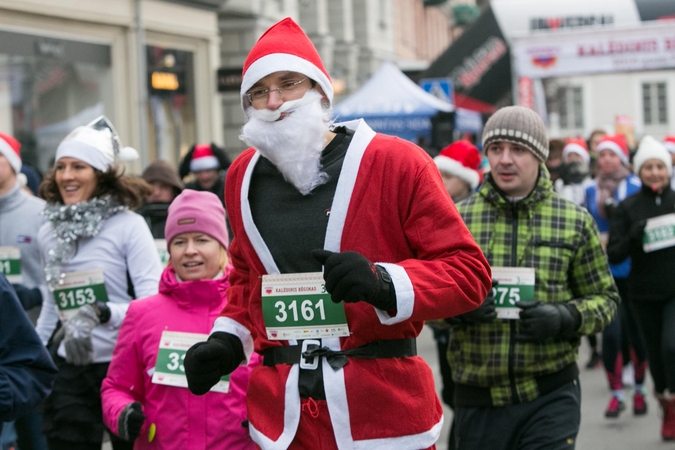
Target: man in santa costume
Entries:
(372, 212)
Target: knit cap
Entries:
(461, 159)
(517, 125)
(650, 148)
(578, 146)
(10, 148)
(196, 212)
(96, 144)
(284, 47)
(617, 144)
(163, 172)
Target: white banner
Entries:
(555, 54)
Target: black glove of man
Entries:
(485, 313)
(351, 277)
(540, 321)
(29, 297)
(206, 362)
(130, 422)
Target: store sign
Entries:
(50, 47)
(574, 21)
(645, 47)
(166, 82)
(229, 80)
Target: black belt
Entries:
(393, 348)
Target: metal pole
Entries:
(142, 87)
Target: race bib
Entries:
(297, 306)
(77, 289)
(516, 284)
(160, 245)
(10, 264)
(169, 369)
(659, 233)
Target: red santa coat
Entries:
(390, 205)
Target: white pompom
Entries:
(128, 154)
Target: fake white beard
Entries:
(293, 144)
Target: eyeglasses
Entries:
(258, 96)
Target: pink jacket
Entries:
(182, 420)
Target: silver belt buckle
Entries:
(309, 363)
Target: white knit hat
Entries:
(96, 144)
(650, 148)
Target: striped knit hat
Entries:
(518, 125)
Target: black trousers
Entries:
(550, 422)
(657, 319)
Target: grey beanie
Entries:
(518, 125)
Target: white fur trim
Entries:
(456, 168)
(227, 325)
(412, 442)
(91, 155)
(204, 163)
(578, 149)
(405, 295)
(670, 146)
(283, 62)
(12, 158)
(613, 146)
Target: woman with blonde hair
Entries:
(145, 396)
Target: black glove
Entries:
(486, 312)
(351, 277)
(637, 230)
(102, 311)
(206, 362)
(130, 422)
(540, 321)
(29, 297)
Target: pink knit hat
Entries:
(196, 212)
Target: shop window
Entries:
(571, 107)
(655, 103)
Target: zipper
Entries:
(512, 323)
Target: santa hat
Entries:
(615, 143)
(462, 160)
(284, 47)
(650, 148)
(96, 144)
(10, 149)
(669, 143)
(203, 158)
(578, 146)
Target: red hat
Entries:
(284, 47)
(615, 143)
(578, 146)
(10, 149)
(203, 158)
(461, 159)
(669, 143)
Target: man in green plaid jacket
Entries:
(516, 378)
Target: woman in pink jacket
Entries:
(145, 396)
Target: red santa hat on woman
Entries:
(669, 143)
(578, 146)
(462, 160)
(10, 149)
(284, 47)
(615, 143)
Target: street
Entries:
(597, 433)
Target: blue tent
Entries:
(392, 103)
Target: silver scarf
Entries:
(70, 223)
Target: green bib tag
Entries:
(160, 245)
(297, 306)
(10, 264)
(77, 289)
(169, 368)
(516, 284)
(659, 233)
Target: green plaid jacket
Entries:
(560, 240)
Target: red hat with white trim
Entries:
(284, 47)
(578, 146)
(669, 143)
(462, 160)
(615, 143)
(203, 158)
(10, 148)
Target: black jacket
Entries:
(652, 275)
